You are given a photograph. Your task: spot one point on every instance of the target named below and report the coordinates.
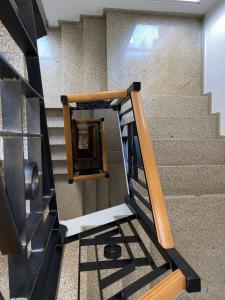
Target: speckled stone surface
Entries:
(51, 63)
(94, 53)
(11, 52)
(69, 273)
(163, 52)
(69, 198)
(198, 225)
(197, 127)
(4, 282)
(184, 128)
(189, 152)
(72, 58)
(89, 196)
(117, 184)
(176, 106)
(193, 180)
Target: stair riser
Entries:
(194, 180)
(174, 106)
(89, 196)
(189, 152)
(190, 180)
(186, 128)
(198, 229)
(117, 184)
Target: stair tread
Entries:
(188, 197)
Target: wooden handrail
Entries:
(97, 96)
(159, 209)
(167, 289)
(104, 155)
(89, 177)
(68, 140)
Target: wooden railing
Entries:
(160, 214)
(167, 289)
(97, 96)
(182, 276)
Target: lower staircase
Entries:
(190, 155)
(118, 260)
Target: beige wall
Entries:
(166, 55)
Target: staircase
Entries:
(189, 151)
(188, 148)
(74, 71)
(191, 168)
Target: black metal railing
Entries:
(28, 177)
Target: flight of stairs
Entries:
(189, 151)
(190, 154)
(192, 170)
(70, 69)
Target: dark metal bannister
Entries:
(28, 197)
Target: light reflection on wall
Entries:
(44, 48)
(143, 38)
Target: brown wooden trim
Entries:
(68, 140)
(89, 121)
(167, 289)
(89, 177)
(159, 209)
(104, 154)
(97, 96)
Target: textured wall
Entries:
(94, 53)
(163, 52)
(50, 62)
(61, 68)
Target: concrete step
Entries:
(54, 112)
(55, 123)
(189, 152)
(69, 197)
(117, 184)
(176, 106)
(198, 226)
(184, 128)
(89, 196)
(58, 152)
(114, 157)
(59, 167)
(102, 194)
(56, 136)
(193, 180)
(113, 144)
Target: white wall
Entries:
(214, 59)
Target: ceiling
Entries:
(71, 10)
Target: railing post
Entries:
(68, 137)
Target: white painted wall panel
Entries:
(214, 59)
